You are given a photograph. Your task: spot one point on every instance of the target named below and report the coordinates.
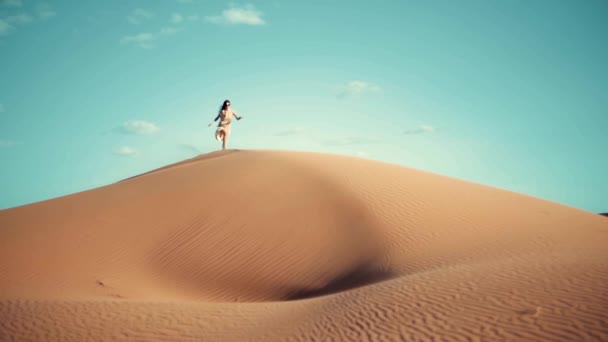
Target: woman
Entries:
(225, 115)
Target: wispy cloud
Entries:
(147, 40)
(358, 88)
(5, 27)
(170, 30)
(190, 148)
(139, 127)
(45, 11)
(8, 143)
(11, 3)
(125, 151)
(352, 141)
(247, 15)
(139, 15)
(19, 19)
(420, 130)
(143, 40)
(176, 18)
(10, 23)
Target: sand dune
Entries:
(269, 245)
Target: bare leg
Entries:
(224, 142)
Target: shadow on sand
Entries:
(360, 276)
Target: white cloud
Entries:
(176, 18)
(143, 40)
(19, 19)
(420, 129)
(139, 127)
(8, 143)
(247, 15)
(143, 13)
(358, 88)
(191, 148)
(11, 3)
(139, 15)
(148, 40)
(170, 30)
(45, 11)
(8, 24)
(5, 27)
(125, 151)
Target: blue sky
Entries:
(510, 94)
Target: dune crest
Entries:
(275, 245)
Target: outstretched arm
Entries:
(214, 120)
(237, 116)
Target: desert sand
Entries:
(294, 246)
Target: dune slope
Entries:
(269, 245)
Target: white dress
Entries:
(225, 117)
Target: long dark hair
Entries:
(224, 105)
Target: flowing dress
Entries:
(223, 126)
